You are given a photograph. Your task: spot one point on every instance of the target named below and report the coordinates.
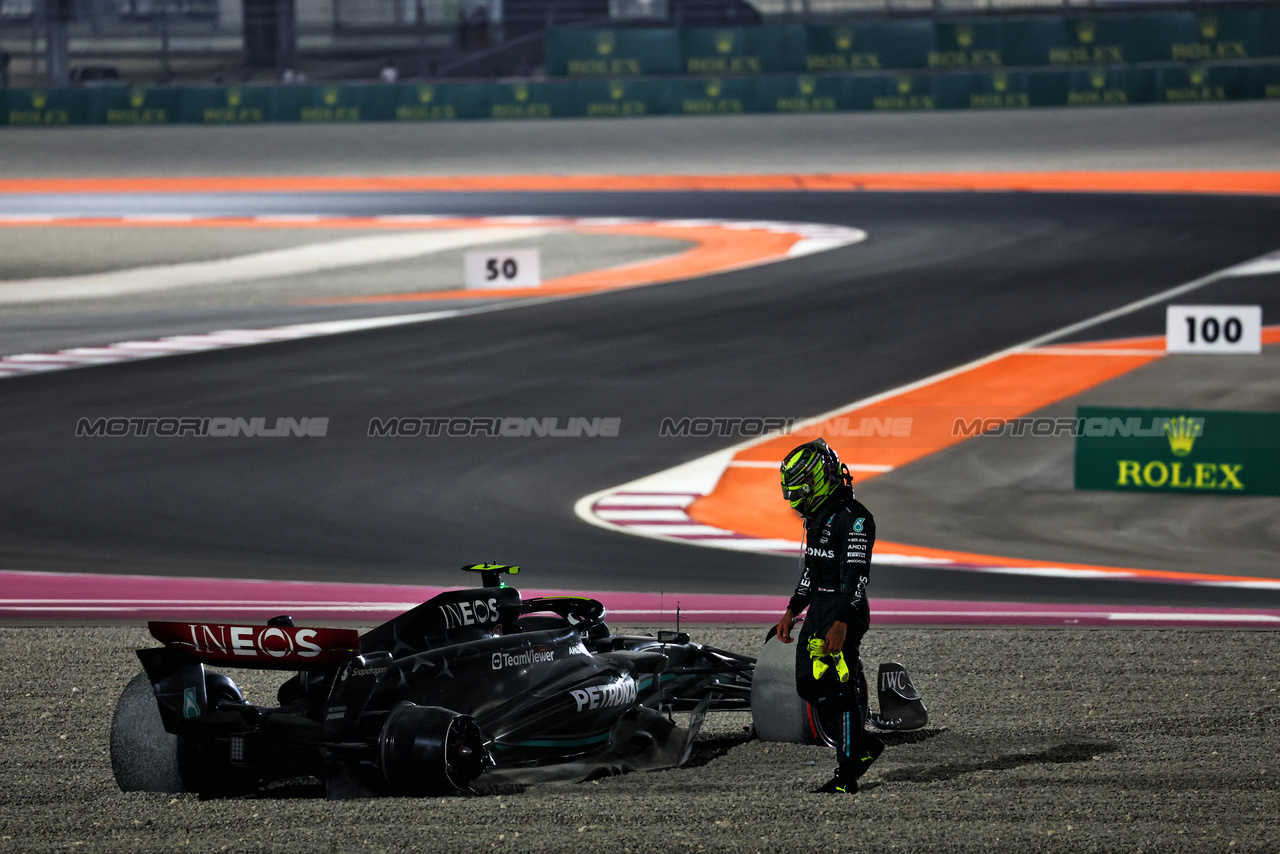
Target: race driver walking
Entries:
(835, 570)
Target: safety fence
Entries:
(1168, 83)
(1020, 42)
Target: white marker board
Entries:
(497, 268)
(1213, 329)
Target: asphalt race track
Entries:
(944, 278)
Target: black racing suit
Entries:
(836, 563)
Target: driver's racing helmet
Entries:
(810, 473)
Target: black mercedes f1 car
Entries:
(474, 686)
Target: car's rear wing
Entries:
(277, 647)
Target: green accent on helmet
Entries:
(810, 473)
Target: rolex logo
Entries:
(806, 85)
(1085, 31)
(1197, 76)
(844, 39)
(713, 88)
(425, 94)
(1182, 433)
(233, 97)
(330, 97)
(904, 85)
(964, 36)
(1098, 78)
(137, 97)
(521, 92)
(617, 90)
(1209, 27)
(604, 42)
(1000, 82)
(724, 41)
(39, 99)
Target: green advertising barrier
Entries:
(317, 103)
(1269, 33)
(1076, 41)
(891, 93)
(1228, 34)
(969, 44)
(868, 47)
(975, 43)
(612, 53)
(711, 96)
(43, 107)
(1201, 452)
(1194, 84)
(826, 93)
(999, 88)
(1266, 81)
(620, 98)
(742, 50)
(1097, 87)
(228, 105)
(135, 105)
(430, 102)
(530, 101)
(1110, 39)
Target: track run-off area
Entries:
(916, 295)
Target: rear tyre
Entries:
(778, 712)
(144, 757)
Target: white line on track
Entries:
(272, 264)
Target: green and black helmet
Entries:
(810, 473)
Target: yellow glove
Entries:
(842, 669)
(818, 652)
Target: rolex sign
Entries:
(1194, 451)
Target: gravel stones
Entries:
(1039, 740)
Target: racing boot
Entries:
(845, 781)
(870, 751)
(837, 785)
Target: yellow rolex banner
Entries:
(1195, 451)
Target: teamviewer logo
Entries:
(496, 661)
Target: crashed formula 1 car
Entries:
(474, 686)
